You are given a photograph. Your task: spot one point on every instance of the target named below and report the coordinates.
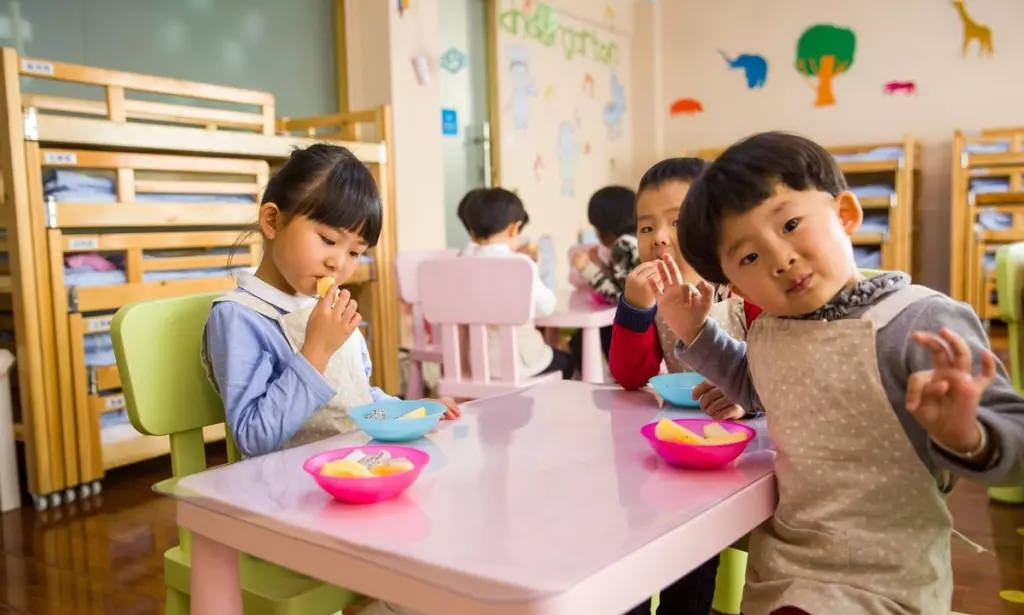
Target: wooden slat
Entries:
(90, 454)
(154, 215)
(997, 198)
(197, 187)
(868, 239)
(172, 263)
(99, 298)
(76, 73)
(106, 377)
(71, 158)
(57, 129)
(19, 224)
(153, 241)
(869, 166)
(64, 382)
(877, 202)
(145, 110)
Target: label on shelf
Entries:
(39, 67)
(65, 158)
(114, 402)
(83, 243)
(98, 325)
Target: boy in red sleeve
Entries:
(640, 340)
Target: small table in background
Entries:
(578, 310)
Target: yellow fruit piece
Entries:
(715, 430)
(1012, 595)
(396, 466)
(345, 468)
(667, 431)
(323, 285)
(418, 413)
(714, 433)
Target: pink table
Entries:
(543, 501)
(578, 310)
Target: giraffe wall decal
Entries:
(974, 31)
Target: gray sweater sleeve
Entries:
(1001, 409)
(723, 361)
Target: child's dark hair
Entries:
(488, 211)
(611, 211)
(464, 204)
(672, 169)
(329, 185)
(743, 177)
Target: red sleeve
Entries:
(634, 358)
(750, 312)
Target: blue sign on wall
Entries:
(449, 122)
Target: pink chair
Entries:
(421, 350)
(574, 276)
(479, 293)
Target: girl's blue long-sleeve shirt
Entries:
(268, 389)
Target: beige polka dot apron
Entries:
(344, 372)
(861, 527)
(729, 316)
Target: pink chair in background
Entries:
(478, 293)
(574, 276)
(422, 351)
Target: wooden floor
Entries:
(103, 555)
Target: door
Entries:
(465, 121)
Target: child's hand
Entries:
(715, 404)
(684, 307)
(531, 250)
(329, 327)
(451, 409)
(944, 399)
(639, 292)
(580, 260)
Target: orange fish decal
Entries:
(686, 106)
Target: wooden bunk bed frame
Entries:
(145, 147)
(898, 249)
(970, 241)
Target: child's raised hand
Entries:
(329, 326)
(715, 404)
(684, 307)
(531, 250)
(580, 260)
(944, 399)
(638, 291)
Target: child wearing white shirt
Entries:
(494, 218)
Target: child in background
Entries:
(639, 336)
(605, 266)
(494, 218)
(877, 391)
(287, 365)
(641, 339)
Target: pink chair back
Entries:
(477, 293)
(406, 265)
(574, 276)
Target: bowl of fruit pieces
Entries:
(397, 420)
(697, 444)
(366, 474)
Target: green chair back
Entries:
(157, 346)
(1010, 291)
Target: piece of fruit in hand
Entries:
(323, 285)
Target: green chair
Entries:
(1010, 291)
(157, 345)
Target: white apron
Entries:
(345, 372)
(861, 527)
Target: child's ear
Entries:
(513, 229)
(850, 212)
(270, 220)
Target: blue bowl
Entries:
(677, 389)
(390, 428)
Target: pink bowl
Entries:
(366, 490)
(696, 457)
